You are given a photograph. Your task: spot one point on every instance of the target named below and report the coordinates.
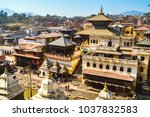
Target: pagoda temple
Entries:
(63, 53)
(100, 27)
(109, 58)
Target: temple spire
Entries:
(101, 11)
(105, 87)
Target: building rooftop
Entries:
(142, 28)
(62, 42)
(108, 75)
(127, 24)
(147, 32)
(100, 32)
(50, 35)
(145, 41)
(31, 38)
(100, 17)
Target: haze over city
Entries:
(71, 8)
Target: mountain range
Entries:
(10, 12)
(132, 12)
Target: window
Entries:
(140, 79)
(129, 70)
(101, 66)
(88, 64)
(94, 41)
(128, 43)
(141, 69)
(142, 58)
(121, 69)
(91, 41)
(109, 43)
(114, 67)
(43, 73)
(124, 43)
(94, 65)
(107, 66)
(127, 32)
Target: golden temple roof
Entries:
(100, 17)
(100, 32)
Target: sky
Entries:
(72, 8)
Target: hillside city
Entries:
(98, 57)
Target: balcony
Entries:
(74, 56)
(107, 48)
(112, 60)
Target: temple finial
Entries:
(101, 11)
(49, 75)
(105, 87)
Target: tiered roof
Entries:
(93, 31)
(100, 17)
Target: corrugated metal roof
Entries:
(147, 32)
(145, 41)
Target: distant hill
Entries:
(132, 12)
(29, 13)
(11, 12)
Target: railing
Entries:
(106, 48)
(63, 57)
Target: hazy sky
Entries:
(75, 7)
